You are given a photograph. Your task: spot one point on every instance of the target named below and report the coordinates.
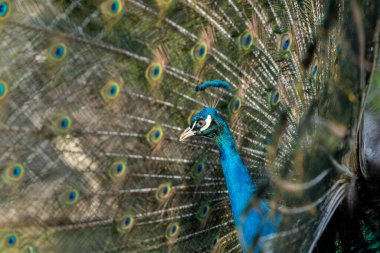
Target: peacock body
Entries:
(95, 97)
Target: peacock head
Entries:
(207, 122)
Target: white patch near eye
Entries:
(208, 123)
(193, 125)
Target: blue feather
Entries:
(4, 9)
(215, 84)
(241, 188)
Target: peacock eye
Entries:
(201, 123)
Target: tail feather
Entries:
(94, 94)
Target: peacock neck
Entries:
(238, 180)
(241, 190)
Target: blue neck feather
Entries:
(239, 182)
(241, 190)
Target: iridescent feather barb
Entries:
(94, 95)
(214, 84)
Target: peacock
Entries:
(189, 126)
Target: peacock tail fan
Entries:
(95, 94)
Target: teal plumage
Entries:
(241, 188)
(239, 183)
(94, 96)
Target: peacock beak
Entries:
(186, 134)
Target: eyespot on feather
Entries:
(203, 211)
(164, 191)
(234, 105)
(112, 8)
(69, 197)
(153, 72)
(214, 242)
(199, 169)
(199, 51)
(126, 223)
(117, 169)
(61, 124)
(172, 230)
(246, 40)
(10, 241)
(3, 89)
(285, 42)
(13, 173)
(58, 52)
(155, 135)
(275, 98)
(5, 9)
(314, 71)
(110, 91)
